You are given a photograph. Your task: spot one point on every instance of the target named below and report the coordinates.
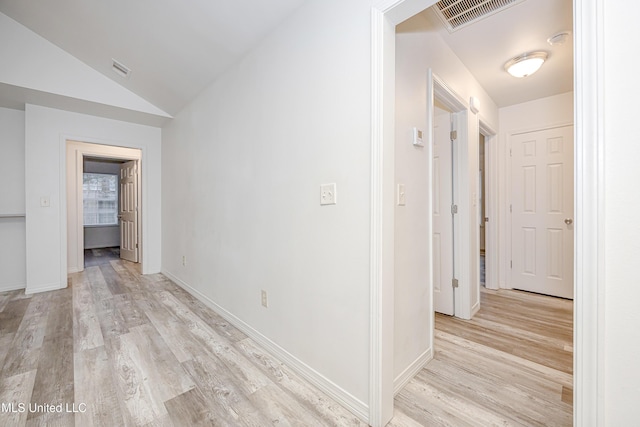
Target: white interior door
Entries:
(443, 299)
(128, 212)
(542, 211)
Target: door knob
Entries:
(568, 221)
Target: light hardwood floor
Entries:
(511, 365)
(140, 351)
(137, 350)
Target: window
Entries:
(100, 196)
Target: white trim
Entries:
(382, 232)
(412, 370)
(12, 287)
(79, 148)
(384, 17)
(45, 288)
(492, 242)
(589, 210)
(337, 393)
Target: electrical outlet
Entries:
(265, 302)
(328, 194)
(184, 260)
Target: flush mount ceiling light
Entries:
(526, 64)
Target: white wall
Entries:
(47, 131)
(417, 50)
(621, 228)
(12, 230)
(528, 116)
(242, 168)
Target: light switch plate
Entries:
(401, 195)
(328, 194)
(45, 202)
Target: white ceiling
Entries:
(174, 48)
(485, 46)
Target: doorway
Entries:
(105, 206)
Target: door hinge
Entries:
(454, 282)
(510, 152)
(454, 209)
(136, 246)
(453, 135)
(511, 264)
(510, 208)
(486, 219)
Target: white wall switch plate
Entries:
(417, 137)
(45, 202)
(401, 195)
(264, 300)
(328, 194)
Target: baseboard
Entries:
(12, 287)
(43, 288)
(475, 308)
(337, 393)
(412, 370)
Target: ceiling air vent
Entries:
(456, 14)
(120, 69)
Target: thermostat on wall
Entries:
(417, 137)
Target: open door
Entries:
(128, 211)
(443, 267)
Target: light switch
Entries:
(328, 194)
(45, 202)
(401, 195)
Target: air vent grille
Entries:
(456, 14)
(120, 69)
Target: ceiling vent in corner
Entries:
(456, 14)
(120, 69)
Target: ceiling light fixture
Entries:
(526, 64)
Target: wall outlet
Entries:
(265, 302)
(184, 260)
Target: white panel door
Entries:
(542, 211)
(128, 212)
(442, 216)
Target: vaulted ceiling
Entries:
(174, 48)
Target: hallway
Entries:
(511, 365)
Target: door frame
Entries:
(491, 250)
(76, 152)
(589, 207)
(438, 89)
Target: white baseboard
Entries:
(412, 370)
(43, 288)
(12, 287)
(475, 308)
(337, 393)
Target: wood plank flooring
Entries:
(122, 349)
(511, 365)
